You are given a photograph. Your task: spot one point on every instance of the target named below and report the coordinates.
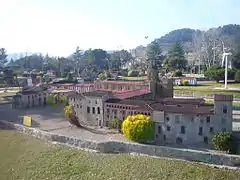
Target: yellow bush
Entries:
(138, 128)
(69, 112)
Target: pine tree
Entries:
(176, 59)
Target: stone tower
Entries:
(223, 111)
(160, 87)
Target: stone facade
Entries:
(191, 128)
(29, 98)
(89, 107)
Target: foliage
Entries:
(224, 141)
(133, 73)
(3, 56)
(178, 74)
(57, 100)
(237, 76)
(69, 77)
(217, 73)
(70, 113)
(115, 124)
(139, 128)
(176, 58)
(154, 54)
(185, 83)
(236, 60)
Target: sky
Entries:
(57, 27)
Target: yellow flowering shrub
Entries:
(139, 128)
(70, 113)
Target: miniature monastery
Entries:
(181, 121)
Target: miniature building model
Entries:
(181, 121)
(30, 97)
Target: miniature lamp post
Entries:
(227, 59)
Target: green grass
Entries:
(206, 90)
(22, 157)
(7, 94)
(134, 78)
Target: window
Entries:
(200, 131)
(93, 110)
(168, 128)
(211, 130)
(225, 110)
(167, 118)
(208, 119)
(182, 130)
(77, 105)
(98, 110)
(88, 109)
(177, 119)
(205, 139)
(108, 110)
(96, 102)
(123, 112)
(80, 106)
(159, 129)
(164, 137)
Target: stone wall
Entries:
(114, 146)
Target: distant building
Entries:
(30, 97)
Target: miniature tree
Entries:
(224, 141)
(138, 128)
(115, 124)
(70, 113)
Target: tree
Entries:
(78, 60)
(236, 61)
(176, 59)
(215, 73)
(237, 76)
(3, 57)
(224, 141)
(70, 113)
(69, 77)
(154, 54)
(138, 128)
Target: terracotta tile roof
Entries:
(124, 82)
(96, 93)
(129, 94)
(183, 101)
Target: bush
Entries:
(133, 73)
(237, 76)
(224, 141)
(178, 74)
(185, 83)
(115, 124)
(138, 128)
(70, 113)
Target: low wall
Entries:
(114, 146)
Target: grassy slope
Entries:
(22, 157)
(205, 90)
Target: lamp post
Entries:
(225, 58)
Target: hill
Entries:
(230, 34)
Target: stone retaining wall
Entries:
(114, 146)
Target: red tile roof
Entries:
(129, 94)
(124, 82)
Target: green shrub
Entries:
(115, 124)
(139, 128)
(185, 83)
(178, 74)
(224, 141)
(237, 76)
(133, 73)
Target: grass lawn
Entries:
(206, 90)
(7, 94)
(134, 78)
(22, 157)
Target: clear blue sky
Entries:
(58, 26)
